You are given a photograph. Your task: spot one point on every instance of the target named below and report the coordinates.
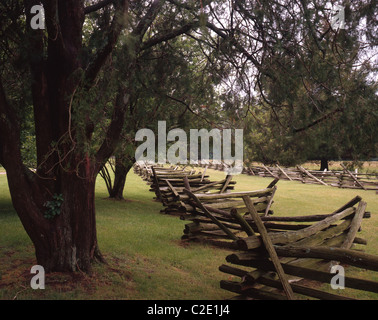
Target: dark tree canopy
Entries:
(305, 86)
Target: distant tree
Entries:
(174, 83)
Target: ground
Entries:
(146, 258)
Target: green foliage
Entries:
(28, 151)
(53, 206)
(28, 139)
(316, 99)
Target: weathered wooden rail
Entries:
(216, 218)
(340, 179)
(291, 258)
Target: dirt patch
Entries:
(181, 243)
(179, 271)
(99, 284)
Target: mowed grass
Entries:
(146, 258)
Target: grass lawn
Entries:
(146, 259)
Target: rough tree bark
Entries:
(121, 172)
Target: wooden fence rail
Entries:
(341, 178)
(278, 264)
(217, 218)
(168, 185)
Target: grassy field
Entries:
(146, 259)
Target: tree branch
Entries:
(325, 117)
(311, 28)
(97, 6)
(7, 116)
(148, 18)
(168, 36)
(113, 133)
(182, 5)
(53, 24)
(237, 45)
(115, 30)
(37, 62)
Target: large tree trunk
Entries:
(120, 168)
(73, 244)
(120, 175)
(67, 241)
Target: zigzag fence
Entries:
(334, 178)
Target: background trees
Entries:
(174, 82)
(307, 87)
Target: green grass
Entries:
(146, 259)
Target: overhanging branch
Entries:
(112, 37)
(97, 6)
(148, 18)
(170, 35)
(235, 43)
(325, 117)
